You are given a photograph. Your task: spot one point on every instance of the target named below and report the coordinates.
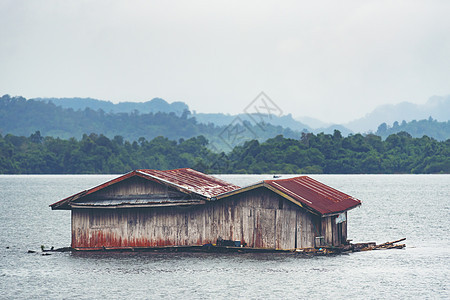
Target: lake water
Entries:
(394, 206)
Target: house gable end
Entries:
(132, 186)
(132, 191)
(263, 185)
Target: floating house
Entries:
(183, 207)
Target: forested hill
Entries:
(312, 154)
(438, 107)
(429, 127)
(23, 117)
(153, 106)
(160, 105)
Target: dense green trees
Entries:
(321, 153)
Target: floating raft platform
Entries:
(319, 251)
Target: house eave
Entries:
(339, 212)
(125, 205)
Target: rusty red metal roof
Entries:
(314, 194)
(317, 196)
(186, 180)
(193, 181)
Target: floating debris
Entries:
(357, 247)
(63, 249)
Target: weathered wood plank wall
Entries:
(330, 231)
(258, 218)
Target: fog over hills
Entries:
(219, 119)
(224, 119)
(151, 106)
(437, 107)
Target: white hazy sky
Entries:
(333, 60)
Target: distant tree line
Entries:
(335, 154)
(321, 153)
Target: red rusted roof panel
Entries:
(187, 180)
(193, 181)
(314, 194)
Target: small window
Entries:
(280, 203)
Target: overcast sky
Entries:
(332, 60)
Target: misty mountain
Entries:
(286, 121)
(328, 128)
(436, 107)
(331, 128)
(224, 119)
(313, 122)
(153, 106)
(160, 105)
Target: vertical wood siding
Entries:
(330, 231)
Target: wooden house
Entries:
(183, 207)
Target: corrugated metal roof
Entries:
(193, 181)
(314, 194)
(302, 190)
(185, 180)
